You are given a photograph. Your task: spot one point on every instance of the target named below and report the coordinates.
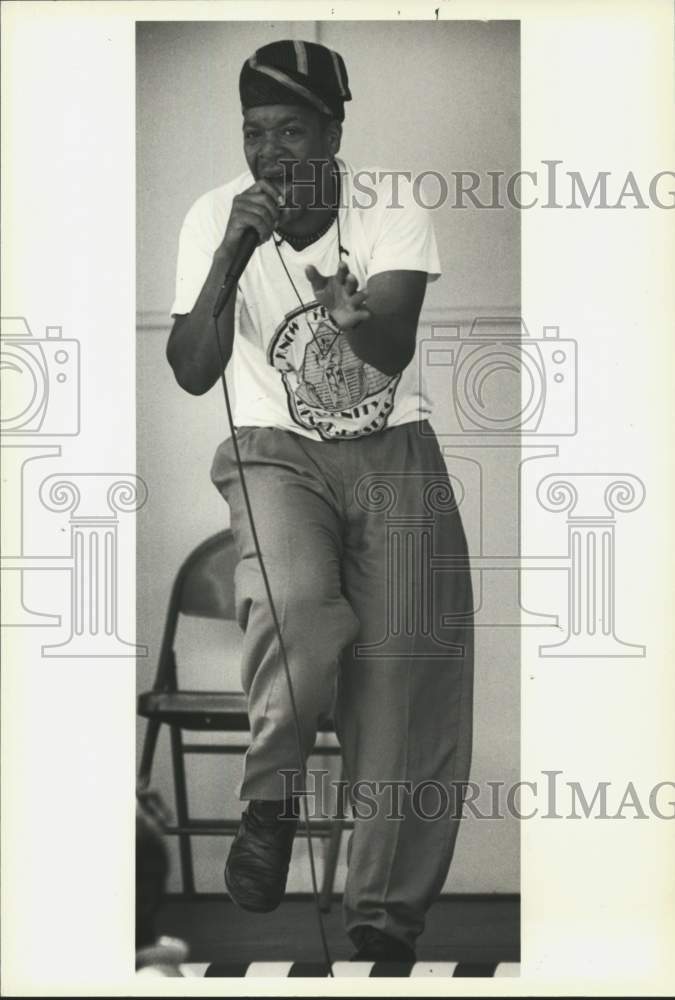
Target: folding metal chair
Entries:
(204, 587)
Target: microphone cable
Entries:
(282, 647)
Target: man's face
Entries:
(282, 132)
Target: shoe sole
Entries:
(245, 905)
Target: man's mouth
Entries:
(276, 173)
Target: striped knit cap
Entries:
(294, 72)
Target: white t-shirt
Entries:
(291, 368)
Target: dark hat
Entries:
(294, 72)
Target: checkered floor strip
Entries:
(295, 970)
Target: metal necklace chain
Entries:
(323, 353)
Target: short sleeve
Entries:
(405, 238)
(197, 243)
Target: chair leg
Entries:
(332, 854)
(148, 754)
(182, 814)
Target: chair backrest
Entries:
(203, 588)
(204, 585)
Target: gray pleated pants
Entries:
(367, 560)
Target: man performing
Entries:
(358, 526)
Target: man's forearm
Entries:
(192, 350)
(385, 342)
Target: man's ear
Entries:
(334, 136)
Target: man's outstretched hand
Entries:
(339, 295)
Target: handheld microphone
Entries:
(247, 244)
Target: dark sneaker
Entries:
(257, 865)
(376, 946)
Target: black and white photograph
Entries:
(337, 546)
(371, 347)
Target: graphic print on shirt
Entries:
(329, 389)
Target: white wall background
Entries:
(427, 96)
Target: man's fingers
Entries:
(261, 203)
(317, 280)
(257, 221)
(263, 211)
(266, 187)
(348, 284)
(358, 299)
(351, 284)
